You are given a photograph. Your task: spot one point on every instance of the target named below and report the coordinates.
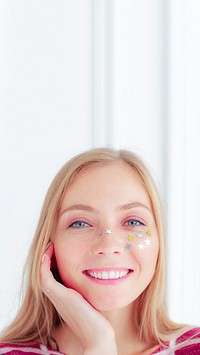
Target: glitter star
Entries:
(139, 235)
(148, 233)
(128, 246)
(130, 237)
(141, 246)
(147, 241)
(108, 231)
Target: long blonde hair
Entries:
(37, 316)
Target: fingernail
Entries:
(43, 258)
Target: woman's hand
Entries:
(93, 330)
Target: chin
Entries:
(106, 303)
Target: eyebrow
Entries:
(128, 206)
(81, 207)
(78, 207)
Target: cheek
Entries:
(68, 254)
(144, 243)
(146, 253)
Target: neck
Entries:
(125, 327)
(123, 321)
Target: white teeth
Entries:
(111, 275)
(117, 275)
(104, 275)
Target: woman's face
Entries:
(106, 242)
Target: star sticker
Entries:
(139, 235)
(141, 246)
(148, 233)
(130, 237)
(147, 241)
(128, 246)
(108, 231)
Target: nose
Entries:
(107, 245)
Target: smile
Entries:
(108, 275)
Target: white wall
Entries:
(45, 116)
(183, 164)
(77, 74)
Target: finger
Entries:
(49, 249)
(47, 279)
(50, 252)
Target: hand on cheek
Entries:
(70, 304)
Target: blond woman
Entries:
(96, 266)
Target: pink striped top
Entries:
(186, 344)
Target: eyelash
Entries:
(82, 224)
(135, 224)
(78, 224)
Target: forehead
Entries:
(108, 182)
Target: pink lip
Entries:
(108, 281)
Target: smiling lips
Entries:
(108, 275)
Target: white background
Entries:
(76, 74)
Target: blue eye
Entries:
(133, 223)
(78, 224)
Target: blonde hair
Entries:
(37, 316)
